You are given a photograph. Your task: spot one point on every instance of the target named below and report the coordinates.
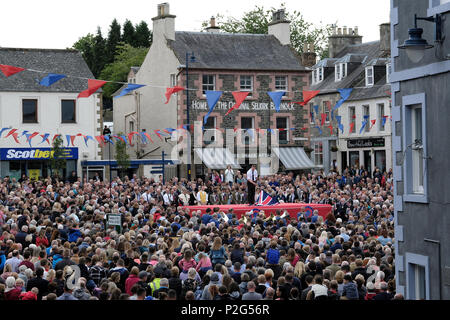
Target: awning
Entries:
(294, 158)
(217, 158)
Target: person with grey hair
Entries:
(251, 294)
(163, 288)
(383, 294)
(81, 293)
(270, 293)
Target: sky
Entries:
(59, 24)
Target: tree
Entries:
(122, 157)
(98, 53)
(114, 37)
(129, 33)
(143, 35)
(126, 57)
(57, 160)
(257, 21)
(86, 46)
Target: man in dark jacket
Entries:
(359, 270)
(350, 288)
(20, 236)
(39, 283)
(383, 294)
(65, 261)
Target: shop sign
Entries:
(365, 143)
(35, 153)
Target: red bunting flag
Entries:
(158, 133)
(170, 91)
(324, 117)
(373, 123)
(239, 97)
(32, 136)
(100, 139)
(43, 136)
(11, 132)
(307, 96)
(72, 139)
(15, 136)
(148, 137)
(304, 128)
(55, 136)
(331, 129)
(130, 136)
(10, 70)
(93, 86)
(351, 127)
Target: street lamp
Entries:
(415, 46)
(190, 57)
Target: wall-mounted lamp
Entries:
(415, 46)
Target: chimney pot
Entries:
(350, 31)
(345, 30)
(356, 30)
(213, 22)
(339, 31)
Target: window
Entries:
(68, 111)
(326, 110)
(318, 153)
(340, 71)
(247, 84)
(208, 83)
(417, 276)
(209, 130)
(381, 127)
(29, 111)
(173, 80)
(281, 83)
(366, 113)
(414, 157)
(320, 74)
(311, 113)
(369, 76)
(351, 118)
(314, 76)
(131, 124)
(438, 7)
(417, 149)
(388, 72)
(247, 123)
(283, 123)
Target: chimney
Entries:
(308, 55)
(385, 38)
(280, 27)
(212, 26)
(163, 24)
(341, 39)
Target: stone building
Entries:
(223, 62)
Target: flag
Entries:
(10, 70)
(170, 91)
(158, 133)
(352, 125)
(239, 97)
(331, 129)
(1, 131)
(212, 97)
(51, 78)
(130, 87)
(309, 212)
(31, 136)
(316, 108)
(324, 117)
(384, 120)
(130, 137)
(340, 125)
(93, 86)
(307, 96)
(373, 123)
(45, 138)
(320, 130)
(100, 139)
(345, 94)
(11, 132)
(264, 199)
(86, 138)
(276, 98)
(363, 124)
(108, 138)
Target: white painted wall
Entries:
(49, 120)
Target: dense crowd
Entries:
(55, 243)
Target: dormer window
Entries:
(369, 76)
(317, 75)
(340, 71)
(388, 72)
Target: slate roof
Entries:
(235, 51)
(356, 78)
(68, 62)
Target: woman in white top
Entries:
(229, 175)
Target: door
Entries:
(368, 161)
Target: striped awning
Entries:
(217, 158)
(294, 158)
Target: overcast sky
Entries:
(59, 23)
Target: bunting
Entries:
(158, 133)
(101, 140)
(51, 78)
(345, 94)
(93, 86)
(86, 138)
(331, 129)
(3, 129)
(363, 124)
(45, 138)
(130, 87)
(316, 108)
(352, 125)
(373, 123)
(307, 96)
(324, 117)
(276, 98)
(10, 70)
(384, 120)
(239, 97)
(212, 97)
(320, 130)
(170, 91)
(340, 126)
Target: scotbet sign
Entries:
(35, 153)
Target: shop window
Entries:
(29, 111)
(68, 111)
(318, 153)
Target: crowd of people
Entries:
(55, 243)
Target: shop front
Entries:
(34, 162)
(367, 152)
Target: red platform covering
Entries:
(292, 208)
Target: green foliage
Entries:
(257, 21)
(143, 35)
(126, 57)
(114, 37)
(86, 46)
(99, 54)
(122, 157)
(129, 33)
(57, 162)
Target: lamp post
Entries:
(189, 58)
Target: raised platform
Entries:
(292, 208)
